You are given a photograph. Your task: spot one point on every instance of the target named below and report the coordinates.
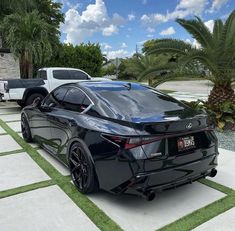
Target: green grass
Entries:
(100, 219)
(26, 188)
(11, 152)
(206, 213)
(202, 215)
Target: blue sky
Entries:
(120, 25)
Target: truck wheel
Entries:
(20, 103)
(32, 97)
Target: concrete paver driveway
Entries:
(35, 196)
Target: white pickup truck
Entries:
(25, 91)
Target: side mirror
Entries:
(37, 102)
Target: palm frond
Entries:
(217, 30)
(198, 30)
(170, 46)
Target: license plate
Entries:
(185, 143)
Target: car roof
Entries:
(110, 85)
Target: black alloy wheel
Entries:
(26, 133)
(82, 170)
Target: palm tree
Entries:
(158, 69)
(28, 38)
(141, 67)
(216, 53)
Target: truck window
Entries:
(61, 74)
(42, 75)
(69, 74)
(78, 75)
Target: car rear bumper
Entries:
(162, 179)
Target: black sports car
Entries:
(122, 137)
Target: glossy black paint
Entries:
(156, 165)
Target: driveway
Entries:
(192, 86)
(36, 193)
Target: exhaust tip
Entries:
(149, 195)
(213, 172)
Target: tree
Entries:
(48, 12)
(216, 53)
(27, 37)
(87, 57)
(157, 69)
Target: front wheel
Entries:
(26, 133)
(82, 169)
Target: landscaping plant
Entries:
(222, 118)
(215, 52)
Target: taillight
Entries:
(129, 142)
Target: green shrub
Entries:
(223, 118)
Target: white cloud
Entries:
(121, 53)
(105, 46)
(93, 19)
(184, 8)
(131, 17)
(194, 43)
(150, 35)
(217, 4)
(210, 24)
(110, 30)
(150, 30)
(168, 31)
(123, 45)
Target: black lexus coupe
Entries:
(122, 137)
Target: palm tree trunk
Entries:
(30, 67)
(220, 94)
(24, 65)
(150, 81)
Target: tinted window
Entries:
(55, 98)
(138, 103)
(42, 75)
(69, 74)
(61, 74)
(77, 75)
(76, 100)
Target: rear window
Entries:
(141, 102)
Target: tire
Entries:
(26, 133)
(82, 169)
(30, 100)
(20, 103)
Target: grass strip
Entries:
(26, 188)
(217, 186)
(100, 219)
(11, 152)
(202, 215)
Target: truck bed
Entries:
(23, 83)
